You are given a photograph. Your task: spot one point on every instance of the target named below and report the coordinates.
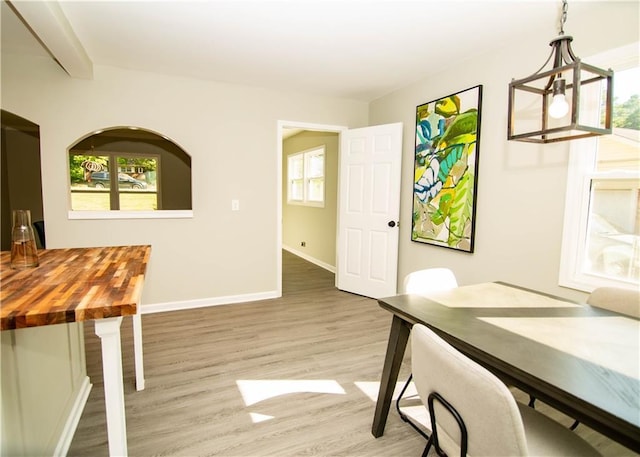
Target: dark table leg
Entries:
(398, 337)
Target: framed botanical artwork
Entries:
(446, 170)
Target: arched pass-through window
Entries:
(128, 172)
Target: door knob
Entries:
(393, 223)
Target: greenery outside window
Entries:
(601, 238)
(306, 178)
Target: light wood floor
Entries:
(329, 344)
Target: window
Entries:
(128, 173)
(601, 238)
(306, 177)
(94, 186)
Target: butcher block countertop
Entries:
(72, 285)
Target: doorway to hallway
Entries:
(367, 207)
(308, 232)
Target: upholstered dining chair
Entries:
(472, 412)
(418, 282)
(429, 280)
(623, 301)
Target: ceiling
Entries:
(355, 49)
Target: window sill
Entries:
(307, 203)
(587, 283)
(90, 215)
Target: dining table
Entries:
(102, 284)
(582, 360)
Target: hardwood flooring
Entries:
(293, 376)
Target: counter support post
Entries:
(109, 332)
(137, 350)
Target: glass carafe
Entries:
(24, 253)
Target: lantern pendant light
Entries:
(568, 101)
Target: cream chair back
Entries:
(467, 400)
(429, 280)
(485, 404)
(623, 301)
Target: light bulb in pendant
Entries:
(559, 106)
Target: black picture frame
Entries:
(447, 149)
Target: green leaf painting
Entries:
(445, 170)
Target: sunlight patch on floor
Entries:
(256, 390)
(257, 417)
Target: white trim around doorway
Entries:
(295, 125)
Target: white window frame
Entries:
(114, 191)
(581, 171)
(306, 179)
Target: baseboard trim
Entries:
(205, 302)
(230, 299)
(308, 258)
(73, 419)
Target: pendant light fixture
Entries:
(570, 100)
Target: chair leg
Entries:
(427, 448)
(404, 388)
(404, 416)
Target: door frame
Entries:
(280, 181)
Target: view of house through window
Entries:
(603, 198)
(133, 185)
(306, 177)
(613, 236)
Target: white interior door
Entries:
(369, 210)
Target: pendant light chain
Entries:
(563, 18)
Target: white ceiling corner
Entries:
(48, 22)
(354, 49)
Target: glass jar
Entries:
(24, 253)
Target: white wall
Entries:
(230, 131)
(521, 187)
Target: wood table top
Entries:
(72, 285)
